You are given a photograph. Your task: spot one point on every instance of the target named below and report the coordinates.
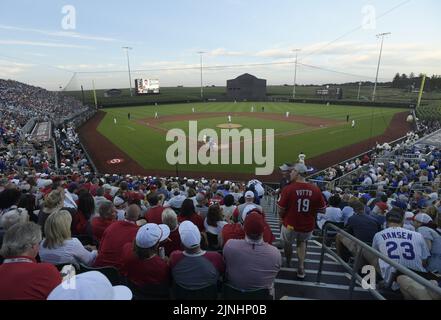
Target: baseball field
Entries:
(138, 145)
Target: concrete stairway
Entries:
(335, 280)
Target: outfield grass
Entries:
(170, 94)
(148, 147)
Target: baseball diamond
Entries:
(317, 130)
(230, 154)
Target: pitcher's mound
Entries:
(229, 125)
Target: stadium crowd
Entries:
(156, 235)
(25, 101)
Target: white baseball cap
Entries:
(408, 215)
(249, 194)
(423, 218)
(118, 201)
(190, 235)
(92, 285)
(151, 234)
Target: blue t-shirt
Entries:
(380, 220)
(362, 227)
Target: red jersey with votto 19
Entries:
(302, 201)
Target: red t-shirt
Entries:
(92, 189)
(79, 223)
(114, 238)
(154, 215)
(108, 196)
(301, 201)
(196, 219)
(27, 280)
(235, 231)
(99, 225)
(142, 272)
(173, 244)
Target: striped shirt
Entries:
(406, 247)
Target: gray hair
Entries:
(133, 212)
(170, 218)
(20, 238)
(105, 209)
(8, 219)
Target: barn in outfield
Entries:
(246, 87)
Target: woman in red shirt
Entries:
(188, 212)
(81, 225)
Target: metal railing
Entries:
(271, 198)
(357, 264)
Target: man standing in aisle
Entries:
(298, 206)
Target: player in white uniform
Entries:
(114, 120)
(252, 108)
(353, 124)
(211, 143)
(229, 118)
(156, 115)
(407, 248)
(287, 114)
(192, 109)
(302, 157)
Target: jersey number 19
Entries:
(303, 205)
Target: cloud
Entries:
(87, 67)
(64, 34)
(42, 44)
(8, 68)
(225, 52)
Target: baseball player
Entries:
(211, 143)
(302, 157)
(252, 108)
(353, 124)
(298, 206)
(229, 118)
(192, 109)
(408, 248)
(114, 120)
(287, 114)
(156, 115)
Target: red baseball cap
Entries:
(254, 224)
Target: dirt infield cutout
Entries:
(229, 126)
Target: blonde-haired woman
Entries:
(58, 247)
(52, 202)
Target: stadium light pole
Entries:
(128, 67)
(295, 73)
(202, 86)
(382, 35)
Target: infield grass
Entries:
(148, 146)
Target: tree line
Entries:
(412, 82)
